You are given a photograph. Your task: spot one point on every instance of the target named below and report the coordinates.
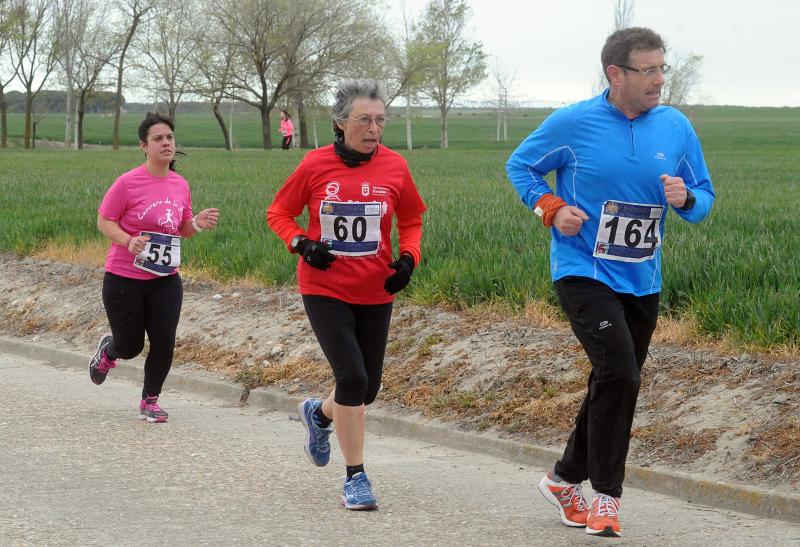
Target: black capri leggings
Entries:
(286, 142)
(353, 339)
(136, 306)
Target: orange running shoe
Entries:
(604, 517)
(568, 498)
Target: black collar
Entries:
(350, 157)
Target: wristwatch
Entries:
(690, 201)
(296, 241)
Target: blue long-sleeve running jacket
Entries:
(610, 167)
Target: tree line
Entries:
(269, 54)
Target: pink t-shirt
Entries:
(287, 128)
(139, 201)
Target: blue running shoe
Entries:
(357, 495)
(318, 449)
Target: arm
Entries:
(206, 219)
(111, 229)
(692, 174)
(546, 149)
(287, 205)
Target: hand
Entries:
(136, 244)
(404, 267)
(569, 219)
(207, 218)
(315, 254)
(674, 190)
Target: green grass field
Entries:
(734, 274)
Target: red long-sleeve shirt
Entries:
(350, 208)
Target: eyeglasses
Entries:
(364, 121)
(648, 72)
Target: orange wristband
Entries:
(547, 207)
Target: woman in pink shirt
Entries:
(286, 129)
(146, 214)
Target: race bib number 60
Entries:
(629, 232)
(351, 228)
(161, 255)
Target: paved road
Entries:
(78, 468)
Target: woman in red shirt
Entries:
(346, 273)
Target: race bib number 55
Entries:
(161, 255)
(351, 228)
(629, 232)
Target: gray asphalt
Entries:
(79, 468)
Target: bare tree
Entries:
(405, 65)
(32, 51)
(623, 18)
(682, 79)
(456, 63)
(70, 24)
(623, 14)
(318, 52)
(256, 30)
(213, 62)
(94, 54)
(6, 28)
(502, 80)
(134, 12)
(167, 41)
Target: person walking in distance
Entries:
(346, 273)
(146, 215)
(621, 162)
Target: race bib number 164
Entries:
(630, 232)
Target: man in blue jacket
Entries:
(621, 162)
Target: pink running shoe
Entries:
(150, 411)
(100, 364)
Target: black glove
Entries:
(315, 254)
(404, 267)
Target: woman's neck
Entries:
(157, 169)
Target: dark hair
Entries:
(286, 113)
(348, 91)
(619, 46)
(151, 119)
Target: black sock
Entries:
(353, 469)
(322, 420)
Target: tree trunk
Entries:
(33, 139)
(443, 129)
(118, 104)
(3, 120)
(266, 136)
(409, 145)
(80, 108)
(68, 121)
(221, 122)
(316, 139)
(302, 123)
(28, 113)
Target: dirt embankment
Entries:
(730, 417)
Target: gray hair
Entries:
(348, 91)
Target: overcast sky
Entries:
(750, 49)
